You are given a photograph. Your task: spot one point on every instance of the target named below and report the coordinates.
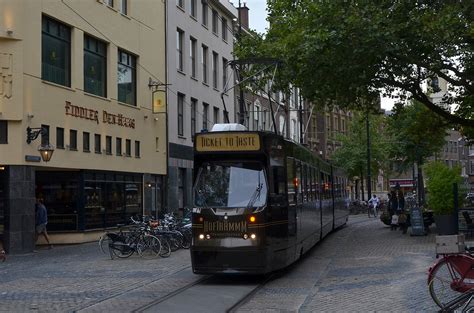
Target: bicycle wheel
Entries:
(176, 240)
(443, 276)
(104, 241)
(165, 248)
(120, 249)
(149, 247)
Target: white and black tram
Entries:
(260, 202)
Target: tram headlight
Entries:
(246, 236)
(201, 236)
(208, 236)
(253, 236)
(252, 219)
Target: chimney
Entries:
(244, 15)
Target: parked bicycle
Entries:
(451, 281)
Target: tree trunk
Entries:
(357, 189)
(421, 187)
(362, 188)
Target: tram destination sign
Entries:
(228, 142)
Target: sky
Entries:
(257, 20)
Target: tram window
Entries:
(304, 189)
(290, 176)
(279, 180)
(298, 177)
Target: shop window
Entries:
(56, 52)
(108, 145)
(95, 60)
(73, 140)
(97, 143)
(86, 142)
(59, 138)
(128, 147)
(127, 78)
(118, 146)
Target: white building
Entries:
(199, 45)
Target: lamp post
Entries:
(45, 149)
(369, 184)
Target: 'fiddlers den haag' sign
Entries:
(228, 142)
(93, 115)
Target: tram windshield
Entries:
(230, 185)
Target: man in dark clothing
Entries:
(41, 221)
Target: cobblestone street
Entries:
(362, 267)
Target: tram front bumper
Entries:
(226, 261)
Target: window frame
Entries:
(205, 64)
(192, 55)
(59, 138)
(205, 115)
(108, 145)
(205, 14)
(180, 107)
(137, 149)
(98, 143)
(86, 142)
(215, 70)
(118, 146)
(194, 103)
(131, 64)
(73, 140)
(96, 54)
(224, 29)
(179, 50)
(215, 22)
(128, 147)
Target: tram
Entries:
(260, 201)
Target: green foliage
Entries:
(352, 155)
(440, 180)
(340, 52)
(417, 134)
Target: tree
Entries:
(352, 155)
(417, 134)
(340, 52)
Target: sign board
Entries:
(159, 101)
(228, 142)
(416, 221)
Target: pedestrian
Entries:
(374, 203)
(401, 201)
(41, 221)
(393, 203)
(3, 254)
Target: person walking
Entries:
(393, 203)
(374, 203)
(401, 202)
(41, 221)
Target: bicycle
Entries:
(451, 281)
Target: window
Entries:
(110, 3)
(56, 52)
(95, 60)
(128, 147)
(205, 14)
(204, 64)
(215, 21)
(224, 29)
(224, 73)
(179, 50)
(3, 132)
(193, 116)
(108, 145)
(86, 142)
(59, 138)
(45, 136)
(192, 56)
(215, 64)
(180, 114)
(97, 143)
(123, 7)
(137, 149)
(118, 146)
(127, 78)
(180, 3)
(73, 139)
(205, 112)
(256, 117)
(193, 8)
(216, 115)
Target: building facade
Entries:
(77, 74)
(200, 43)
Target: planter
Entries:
(446, 224)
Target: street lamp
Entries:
(45, 149)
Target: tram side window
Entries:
(304, 188)
(290, 176)
(299, 195)
(279, 180)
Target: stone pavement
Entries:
(361, 267)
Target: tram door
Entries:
(3, 202)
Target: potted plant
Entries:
(440, 197)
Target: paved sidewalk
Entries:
(362, 267)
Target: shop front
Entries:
(83, 200)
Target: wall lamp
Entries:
(45, 149)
